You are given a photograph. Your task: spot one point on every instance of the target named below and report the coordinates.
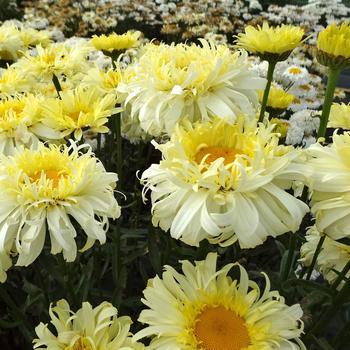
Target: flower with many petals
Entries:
(115, 42)
(203, 308)
(271, 42)
(333, 255)
(330, 186)
(171, 82)
(41, 189)
(339, 116)
(89, 328)
(214, 182)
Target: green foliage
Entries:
(9, 10)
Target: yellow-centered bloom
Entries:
(330, 186)
(280, 126)
(339, 116)
(332, 257)
(13, 81)
(203, 308)
(278, 98)
(172, 82)
(40, 190)
(19, 114)
(266, 41)
(115, 42)
(335, 40)
(89, 328)
(77, 110)
(215, 179)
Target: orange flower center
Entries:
(213, 153)
(294, 70)
(220, 329)
(53, 175)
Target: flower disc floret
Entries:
(171, 82)
(203, 308)
(214, 182)
(41, 189)
(87, 329)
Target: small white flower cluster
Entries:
(302, 128)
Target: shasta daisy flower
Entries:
(77, 110)
(333, 255)
(268, 42)
(330, 186)
(339, 116)
(278, 98)
(171, 82)
(12, 81)
(87, 329)
(203, 308)
(214, 182)
(333, 45)
(115, 42)
(18, 116)
(41, 189)
(296, 75)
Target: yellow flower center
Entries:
(213, 153)
(74, 115)
(52, 174)
(295, 70)
(81, 344)
(220, 329)
(305, 87)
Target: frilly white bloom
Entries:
(330, 186)
(214, 182)
(333, 255)
(76, 110)
(171, 82)
(41, 189)
(18, 116)
(203, 308)
(87, 329)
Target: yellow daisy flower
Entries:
(58, 59)
(77, 110)
(87, 329)
(339, 116)
(12, 81)
(171, 82)
(333, 255)
(41, 189)
(281, 126)
(333, 45)
(106, 81)
(203, 308)
(215, 179)
(278, 98)
(277, 42)
(330, 186)
(115, 42)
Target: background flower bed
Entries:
(120, 277)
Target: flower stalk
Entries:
(333, 75)
(270, 70)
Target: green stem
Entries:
(270, 71)
(331, 311)
(341, 276)
(314, 258)
(57, 84)
(118, 136)
(333, 75)
(291, 250)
